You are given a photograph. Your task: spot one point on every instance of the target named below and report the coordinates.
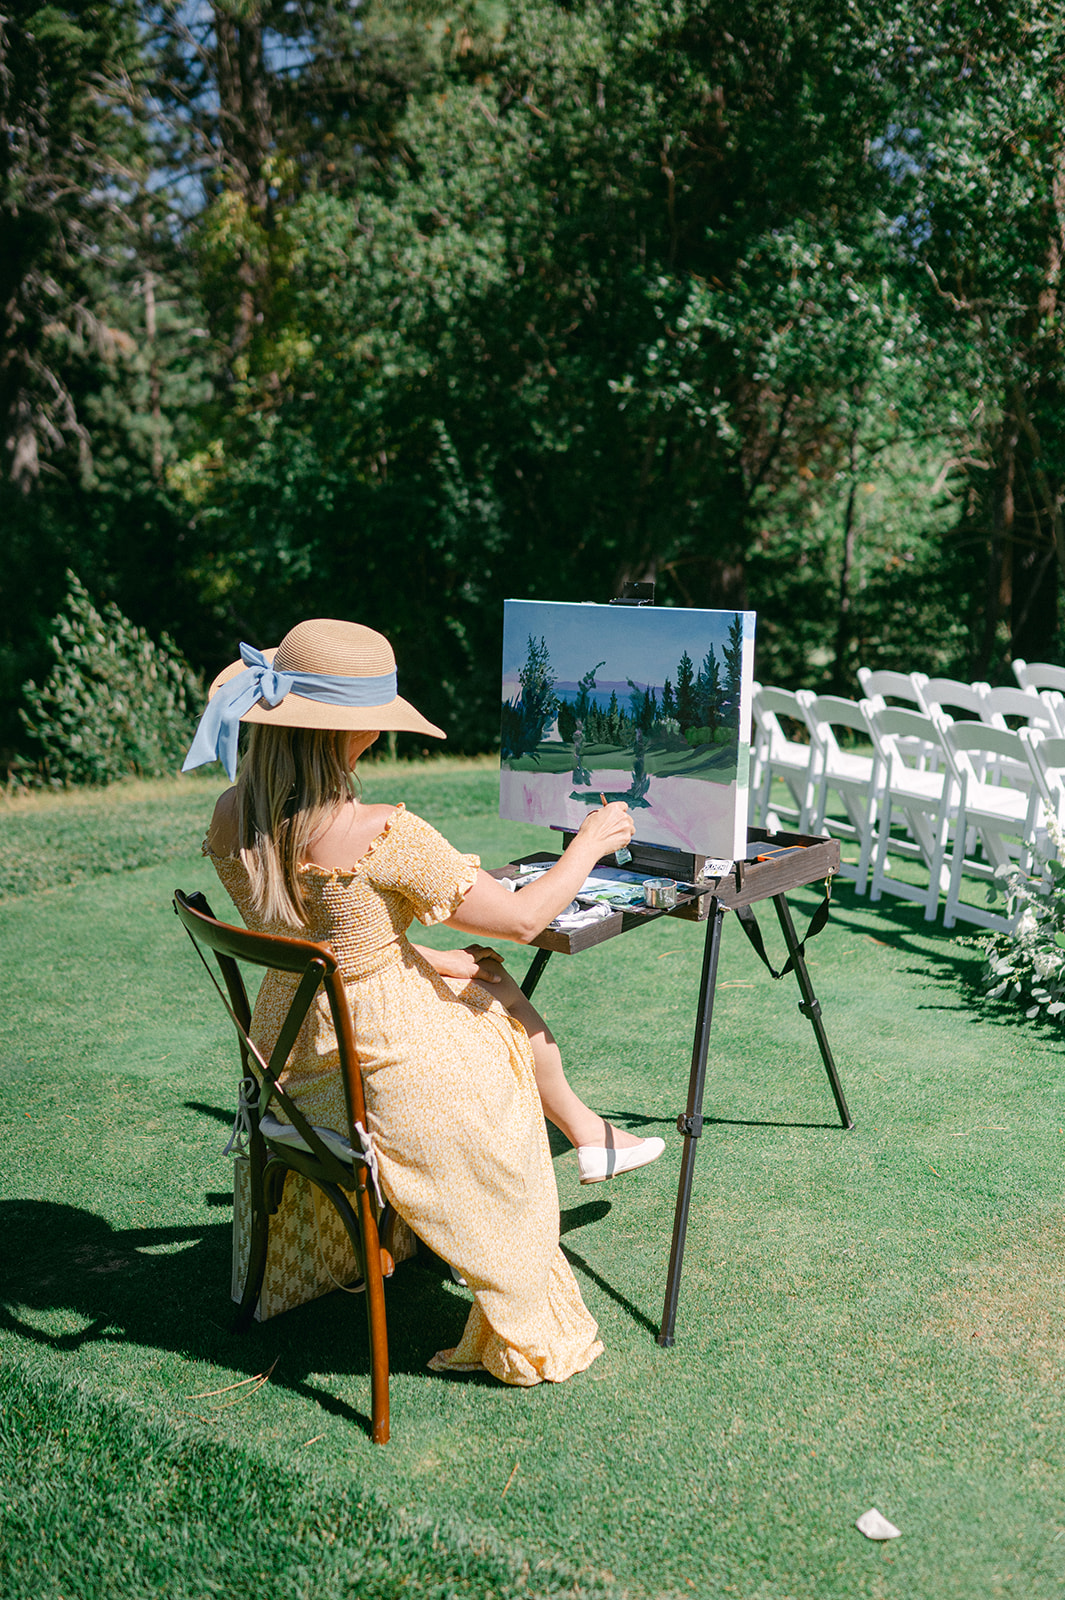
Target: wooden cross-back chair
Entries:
(342, 1169)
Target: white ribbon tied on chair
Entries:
(369, 1155)
(247, 1097)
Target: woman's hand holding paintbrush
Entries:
(622, 855)
(488, 908)
(610, 828)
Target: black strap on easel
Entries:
(749, 924)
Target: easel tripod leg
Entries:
(532, 977)
(691, 1123)
(810, 1006)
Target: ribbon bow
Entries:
(219, 729)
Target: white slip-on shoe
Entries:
(598, 1162)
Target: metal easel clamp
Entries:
(692, 1126)
(811, 1008)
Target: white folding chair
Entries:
(891, 685)
(778, 755)
(915, 795)
(1028, 705)
(883, 687)
(852, 776)
(950, 695)
(1046, 760)
(1001, 816)
(1039, 675)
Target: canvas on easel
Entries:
(650, 705)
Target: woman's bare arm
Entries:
(491, 911)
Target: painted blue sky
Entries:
(643, 643)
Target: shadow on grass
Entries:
(216, 1113)
(579, 1264)
(900, 926)
(164, 1288)
(945, 955)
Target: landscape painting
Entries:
(650, 705)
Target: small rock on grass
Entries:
(875, 1526)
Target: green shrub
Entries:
(115, 704)
(1026, 965)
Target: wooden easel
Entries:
(788, 861)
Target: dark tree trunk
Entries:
(843, 613)
(998, 583)
(245, 129)
(1034, 603)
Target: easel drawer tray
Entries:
(791, 861)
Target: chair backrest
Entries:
(1046, 758)
(1021, 704)
(902, 738)
(951, 692)
(1039, 675)
(770, 704)
(891, 685)
(316, 965)
(782, 702)
(962, 741)
(826, 712)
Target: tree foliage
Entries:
(415, 307)
(115, 704)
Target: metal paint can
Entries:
(660, 893)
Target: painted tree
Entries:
(687, 710)
(579, 709)
(708, 692)
(733, 683)
(526, 717)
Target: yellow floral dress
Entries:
(451, 1098)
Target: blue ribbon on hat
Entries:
(219, 729)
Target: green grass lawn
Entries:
(874, 1317)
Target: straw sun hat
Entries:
(325, 673)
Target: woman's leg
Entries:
(566, 1110)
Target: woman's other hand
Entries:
(476, 961)
(609, 827)
(489, 962)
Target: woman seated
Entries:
(458, 1067)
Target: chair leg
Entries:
(865, 855)
(258, 1245)
(375, 1320)
(862, 811)
(957, 862)
(360, 1223)
(876, 887)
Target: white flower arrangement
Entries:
(1026, 965)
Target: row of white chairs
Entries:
(961, 798)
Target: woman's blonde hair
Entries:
(291, 782)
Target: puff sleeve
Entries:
(419, 863)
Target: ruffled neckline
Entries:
(375, 844)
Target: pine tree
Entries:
(613, 720)
(733, 672)
(709, 691)
(526, 717)
(687, 712)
